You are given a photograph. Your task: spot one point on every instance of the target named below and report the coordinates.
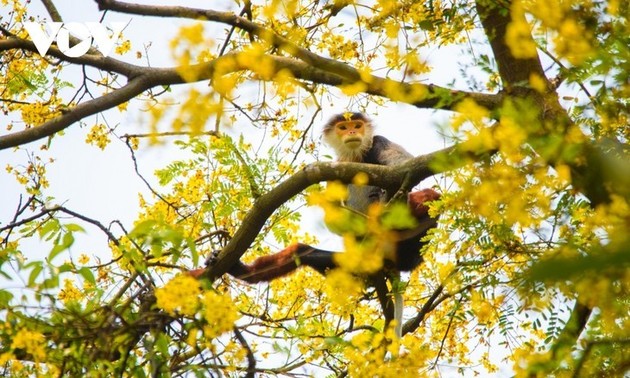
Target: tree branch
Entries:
(96, 60)
(495, 17)
(432, 96)
(99, 104)
(386, 177)
(144, 78)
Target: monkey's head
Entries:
(350, 135)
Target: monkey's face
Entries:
(351, 133)
(350, 136)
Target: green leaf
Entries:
(161, 344)
(37, 269)
(87, 275)
(72, 227)
(398, 217)
(562, 269)
(49, 229)
(143, 228)
(5, 298)
(66, 242)
(50, 283)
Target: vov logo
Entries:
(85, 31)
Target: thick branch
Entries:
(433, 96)
(387, 177)
(588, 162)
(311, 67)
(144, 78)
(93, 60)
(495, 17)
(242, 23)
(412, 324)
(107, 101)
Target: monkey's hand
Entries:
(417, 202)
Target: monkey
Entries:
(351, 136)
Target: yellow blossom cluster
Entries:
(194, 112)
(344, 290)
(285, 83)
(469, 112)
(487, 310)
(84, 259)
(189, 47)
(33, 176)
(571, 39)
(69, 293)
(98, 136)
(384, 355)
(196, 187)
(254, 58)
(219, 312)
(518, 35)
(32, 342)
(363, 257)
(183, 295)
(179, 296)
(573, 42)
(123, 47)
(160, 210)
(614, 217)
(36, 113)
(329, 200)
(338, 46)
(526, 356)
(298, 294)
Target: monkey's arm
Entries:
(386, 152)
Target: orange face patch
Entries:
(345, 129)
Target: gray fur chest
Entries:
(360, 197)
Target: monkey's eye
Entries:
(358, 125)
(341, 127)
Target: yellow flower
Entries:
(482, 308)
(354, 88)
(84, 259)
(572, 42)
(361, 179)
(6, 357)
(564, 172)
(362, 257)
(335, 191)
(470, 111)
(220, 313)
(179, 296)
(32, 342)
(98, 136)
(344, 290)
(445, 270)
(192, 33)
(69, 292)
(519, 40)
(538, 83)
(124, 47)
